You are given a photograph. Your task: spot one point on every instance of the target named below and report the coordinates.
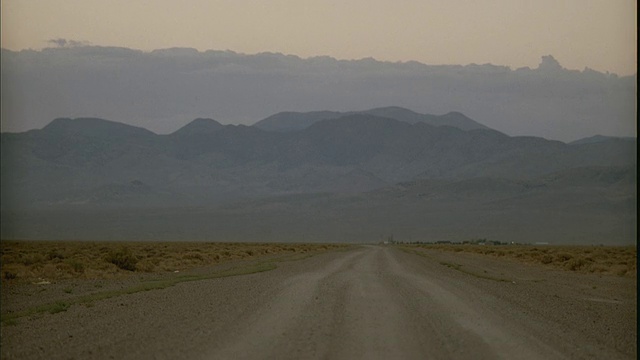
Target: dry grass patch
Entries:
(9, 318)
(34, 261)
(616, 260)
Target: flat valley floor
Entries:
(367, 302)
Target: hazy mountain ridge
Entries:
(162, 90)
(294, 121)
(214, 159)
(601, 138)
(198, 126)
(354, 177)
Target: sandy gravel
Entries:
(369, 302)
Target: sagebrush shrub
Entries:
(123, 259)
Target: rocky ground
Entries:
(366, 302)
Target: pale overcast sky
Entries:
(599, 34)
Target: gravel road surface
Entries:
(371, 302)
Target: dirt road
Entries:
(367, 303)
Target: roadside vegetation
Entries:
(89, 298)
(38, 261)
(616, 260)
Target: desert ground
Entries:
(253, 301)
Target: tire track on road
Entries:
(271, 328)
(463, 327)
(369, 304)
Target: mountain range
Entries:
(162, 90)
(292, 121)
(318, 176)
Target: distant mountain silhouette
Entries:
(93, 127)
(199, 126)
(600, 138)
(160, 90)
(294, 121)
(453, 118)
(358, 165)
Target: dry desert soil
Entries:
(363, 302)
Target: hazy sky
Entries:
(598, 34)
